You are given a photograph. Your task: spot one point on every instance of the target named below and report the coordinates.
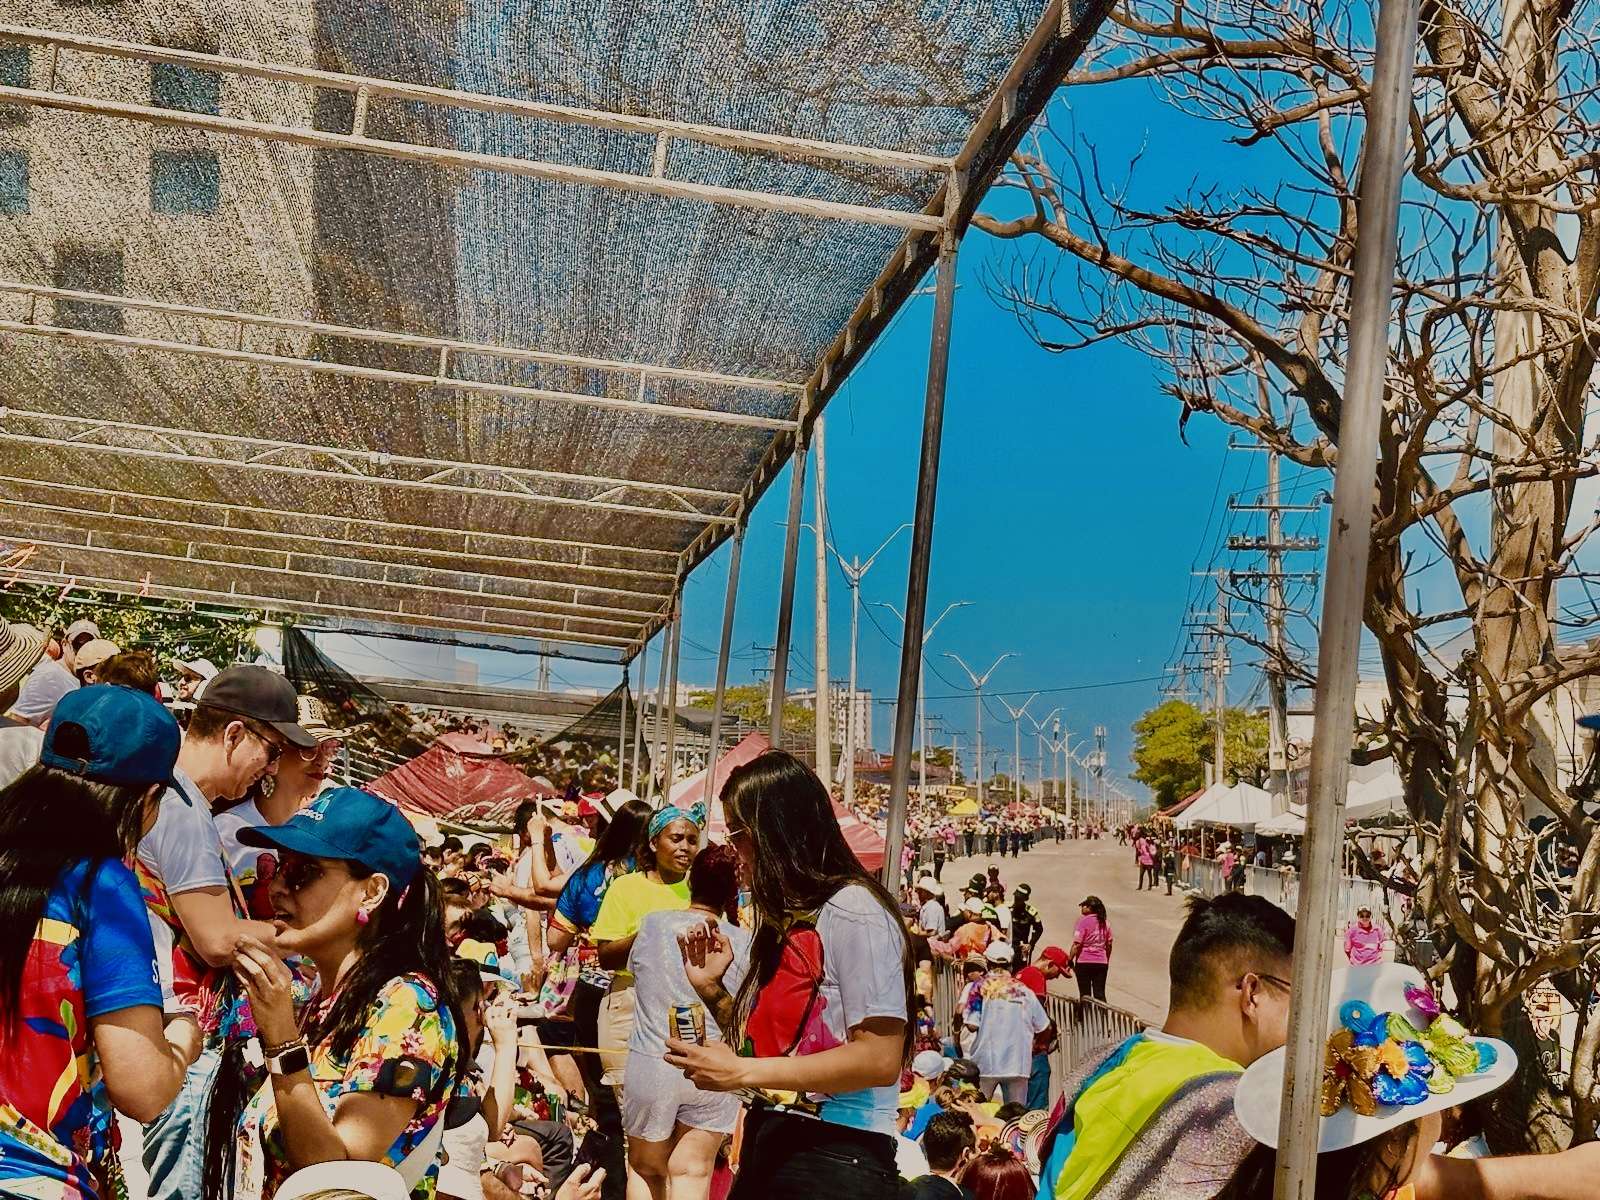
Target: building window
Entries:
(14, 72)
(184, 182)
(185, 88)
(82, 268)
(13, 182)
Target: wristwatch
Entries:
(290, 1060)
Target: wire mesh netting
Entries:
(205, 266)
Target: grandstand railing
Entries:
(1283, 889)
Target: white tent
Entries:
(1380, 796)
(1241, 805)
(1286, 824)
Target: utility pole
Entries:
(1275, 545)
(1216, 633)
(977, 686)
(824, 685)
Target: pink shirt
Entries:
(1091, 941)
(1363, 946)
(1147, 852)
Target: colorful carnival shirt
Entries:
(408, 1046)
(92, 954)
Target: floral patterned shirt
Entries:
(409, 1040)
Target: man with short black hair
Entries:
(949, 1142)
(246, 720)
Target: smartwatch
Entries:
(288, 1062)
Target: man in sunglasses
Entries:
(244, 724)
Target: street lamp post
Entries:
(1042, 741)
(1016, 756)
(977, 686)
(922, 691)
(854, 571)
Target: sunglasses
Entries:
(301, 873)
(273, 746)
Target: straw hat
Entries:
(379, 1181)
(1381, 1018)
(20, 648)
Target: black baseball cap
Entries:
(261, 695)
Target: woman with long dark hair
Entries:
(575, 913)
(367, 1070)
(81, 1025)
(823, 1019)
(1090, 956)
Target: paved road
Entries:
(1143, 924)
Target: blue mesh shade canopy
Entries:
(321, 307)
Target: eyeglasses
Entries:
(274, 747)
(1262, 975)
(737, 833)
(325, 749)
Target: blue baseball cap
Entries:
(112, 734)
(350, 824)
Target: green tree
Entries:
(1171, 744)
(748, 702)
(167, 628)
(1174, 741)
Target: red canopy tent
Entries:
(1179, 805)
(865, 842)
(461, 780)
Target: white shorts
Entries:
(656, 1098)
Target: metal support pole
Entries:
(1344, 592)
(819, 484)
(922, 534)
(791, 550)
(668, 772)
(622, 720)
(729, 602)
(638, 711)
(978, 753)
(850, 701)
(656, 730)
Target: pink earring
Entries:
(362, 917)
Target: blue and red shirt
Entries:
(92, 954)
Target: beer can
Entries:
(688, 1023)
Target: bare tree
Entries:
(1239, 292)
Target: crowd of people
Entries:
(279, 991)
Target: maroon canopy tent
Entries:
(461, 780)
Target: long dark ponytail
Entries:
(37, 811)
(405, 936)
(801, 862)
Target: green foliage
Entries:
(938, 756)
(166, 628)
(1173, 742)
(748, 702)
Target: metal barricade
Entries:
(1081, 1024)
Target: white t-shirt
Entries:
(184, 852)
(44, 686)
(19, 750)
(1007, 1020)
(931, 916)
(1003, 919)
(863, 948)
(660, 981)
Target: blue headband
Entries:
(662, 817)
